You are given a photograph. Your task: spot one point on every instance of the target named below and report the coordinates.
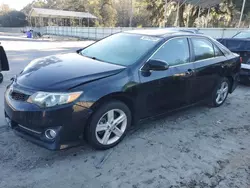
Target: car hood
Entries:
(63, 72)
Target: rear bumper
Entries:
(31, 122)
(245, 75)
(245, 66)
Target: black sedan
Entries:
(100, 91)
(240, 44)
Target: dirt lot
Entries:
(199, 147)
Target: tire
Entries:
(221, 87)
(1, 77)
(102, 125)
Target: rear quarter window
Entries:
(224, 49)
(217, 51)
(203, 48)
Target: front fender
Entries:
(111, 86)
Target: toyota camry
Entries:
(98, 92)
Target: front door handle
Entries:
(189, 73)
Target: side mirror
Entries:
(78, 51)
(156, 65)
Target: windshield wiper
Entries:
(92, 57)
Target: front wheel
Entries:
(108, 125)
(220, 93)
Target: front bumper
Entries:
(30, 121)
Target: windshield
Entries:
(123, 48)
(242, 35)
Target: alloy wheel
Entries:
(111, 127)
(222, 92)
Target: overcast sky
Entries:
(16, 4)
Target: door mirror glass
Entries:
(156, 65)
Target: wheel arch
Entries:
(118, 96)
(231, 80)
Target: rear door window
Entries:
(203, 49)
(174, 52)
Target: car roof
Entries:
(166, 32)
(246, 31)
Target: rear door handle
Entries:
(223, 66)
(189, 73)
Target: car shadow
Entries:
(147, 124)
(187, 122)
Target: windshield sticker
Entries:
(154, 39)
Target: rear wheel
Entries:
(220, 93)
(108, 125)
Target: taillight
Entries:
(241, 60)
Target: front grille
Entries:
(19, 96)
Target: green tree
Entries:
(157, 10)
(108, 13)
(13, 19)
(93, 7)
(123, 9)
(75, 5)
(4, 9)
(36, 4)
(152, 12)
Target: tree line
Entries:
(11, 18)
(140, 13)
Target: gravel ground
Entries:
(199, 147)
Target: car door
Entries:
(208, 60)
(161, 91)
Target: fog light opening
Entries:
(50, 134)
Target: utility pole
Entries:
(242, 12)
(177, 16)
(131, 13)
(199, 13)
(208, 16)
(165, 13)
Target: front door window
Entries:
(174, 52)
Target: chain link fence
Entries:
(97, 33)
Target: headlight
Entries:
(45, 99)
